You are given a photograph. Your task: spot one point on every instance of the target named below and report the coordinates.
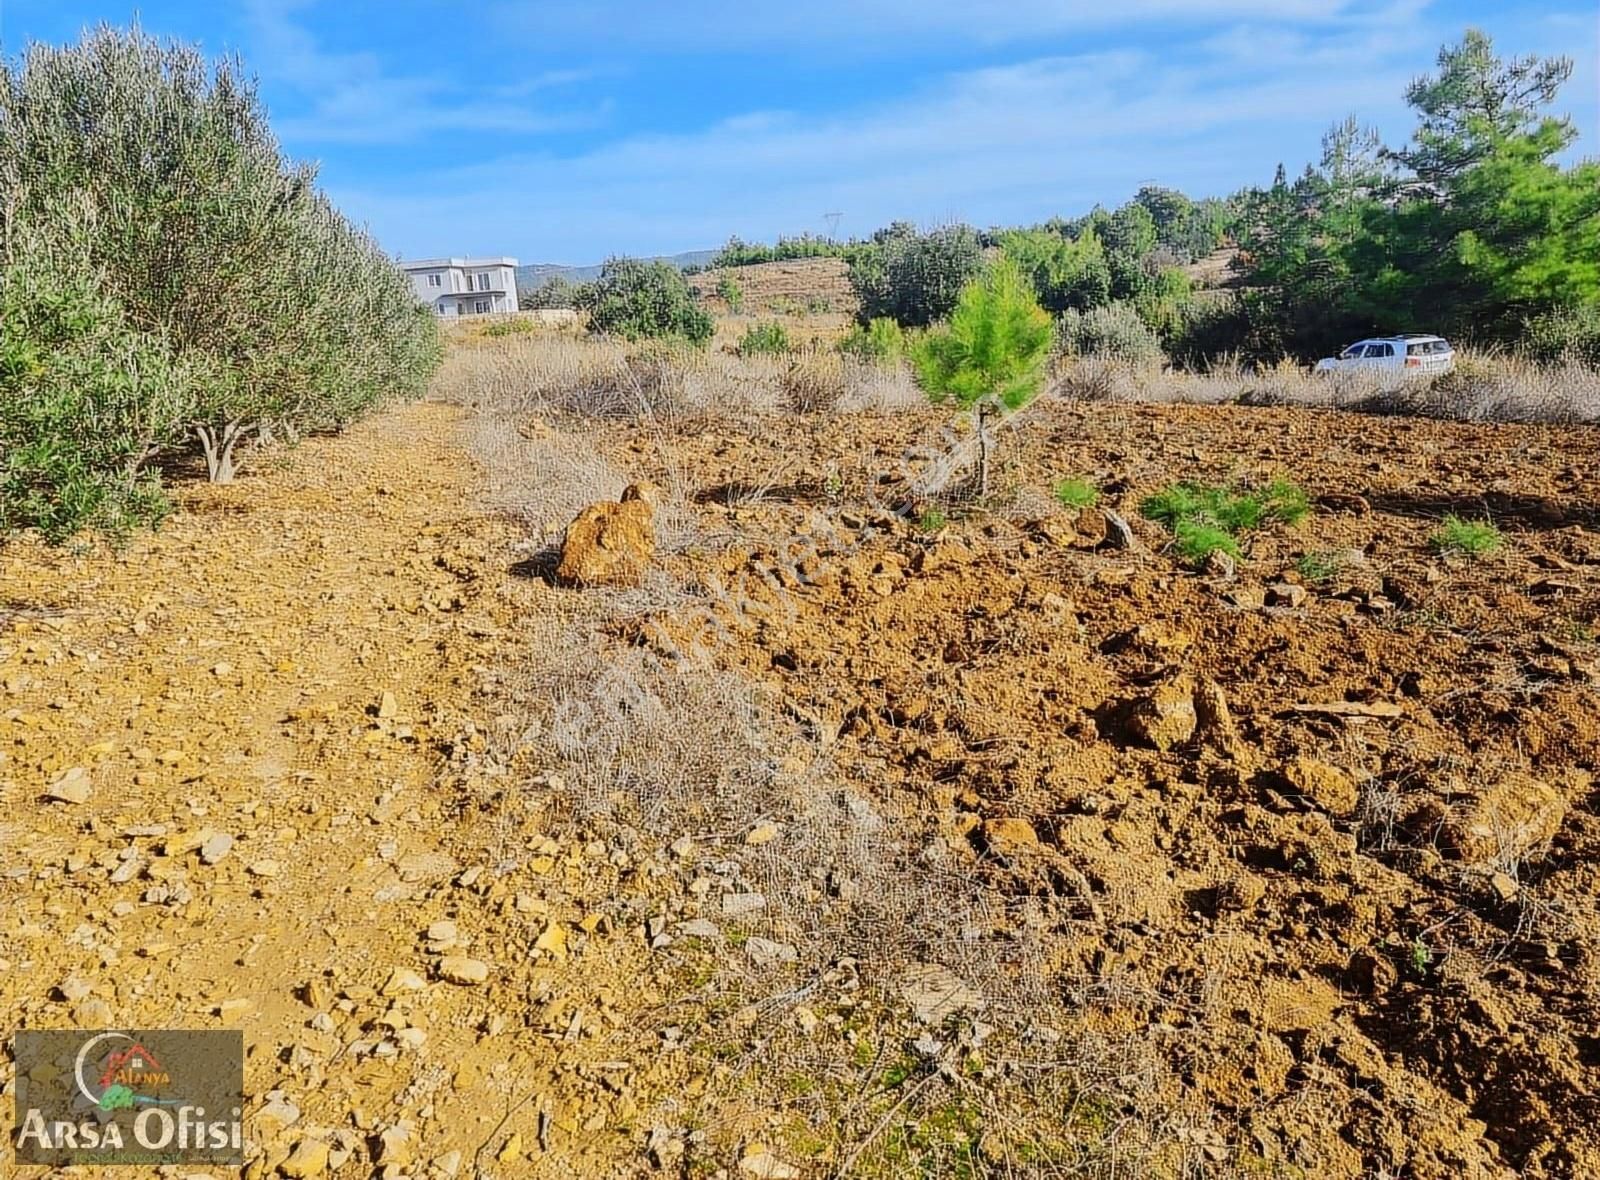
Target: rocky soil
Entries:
(1274, 874)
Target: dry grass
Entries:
(1483, 388)
(648, 741)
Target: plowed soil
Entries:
(1356, 905)
(1322, 833)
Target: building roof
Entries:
(459, 263)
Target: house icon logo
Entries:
(130, 1076)
(135, 1067)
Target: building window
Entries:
(484, 306)
(435, 280)
(483, 281)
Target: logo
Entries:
(148, 1097)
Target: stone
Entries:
(444, 931)
(397, 1146)
(1289, 594)
(1220, 564)
(1119, 533)
(761, 834)
(1091, 528)
(1504, 822)
(936, 993)
(698, 928)
(1504, 887)
(735, 905)
(309, 1158)
(74, 988)
(1246, 597)
(761, 1164)
(1166, 718)
(70, 786)
(216, 847)
(266, 869)
(462, 970)
(765, 952)
(1322, 786)
(234, 1009)
(609, 544)
(388, 707)
(403, 979)
(448, 1164)
(1008, 837)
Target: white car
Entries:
(1411, 354)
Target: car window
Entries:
(1381, 350)
(1422, 349)
(1352, 352)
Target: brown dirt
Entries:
(1356, 909)
(817, 284)
(315, 663)
(294, 661)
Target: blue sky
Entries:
(566, 131)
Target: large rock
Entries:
(610, 544)
(1321, 785)
(1505, 822)
(1167, 717)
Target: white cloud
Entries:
(351, 98)
(871, 27)
(1016, 142)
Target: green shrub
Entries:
(1195, 541)
(644, 301)
(1076, 493)
(85, 402)
(766, 339)
(1196, 513)
(882, 340)
(730, 293)
(192, 237)
(556, 292)
(741, 253)
(915, 278)
(1467, 538)
(1319, 566)
(1567, 333)
(1115, 331)
(991, 356)
(932, 520)
(508, 327)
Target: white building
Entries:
(465, 286)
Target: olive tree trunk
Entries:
(218, 443)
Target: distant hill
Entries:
(536, 274)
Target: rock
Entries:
(764, 952)
(443, 931)
(403, 979)
(397, 1146)
(1504, 822)
(448, 1164)
(1220, 564)
(609, 544)
(1091, 529)
(70, 786)
(1166, 718)
(277, 1109)
(1322, 786)
(235, 1009)
(1119, 533)
(1246, 597)
(1214, 720)
(216, 847)
(1008, 837)
(74, 988)
(388, 707)
(1372, 972)
(309, 1158)
(1055, 529)
(698, 928)
(266, 869)
(1289, 594)
(553, 941)
(763, 1165)
(462, 970)
(735, 905)
(1504, 887)
(511, 1149)
(935, 993)
(761, 834)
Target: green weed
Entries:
(1076, 493)
(1467, 538)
